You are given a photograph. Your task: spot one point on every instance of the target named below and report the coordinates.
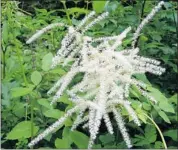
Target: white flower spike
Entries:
(108, 77)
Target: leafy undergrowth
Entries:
(26, 76)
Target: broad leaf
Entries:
(47, 61)
(163, 101)
(22, 130)
(19, 91)
(98, 6)
(36, 77)
(166, 107)
(45, 103)
(80, 139)
(53, 113)
(172, 134)
(106, 138)
(164, 116)
(62, 143)
(150, 133)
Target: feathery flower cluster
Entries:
(108, 75)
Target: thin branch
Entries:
(162, 137)
(141, 18)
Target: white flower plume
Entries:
(108, 76)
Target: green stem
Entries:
(3, 64)
(24, 11)
(141, 18)
(162, 137)
(174, 17)
(32, 117)
(68, 17)
(22, 68)
(87, 7)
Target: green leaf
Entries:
(62, 143)
(18, 109)
(105, 139)
(19, 91)
(163, 101)
(173, 99)
(65, 99)
(77, 10)
(22, 130)
(164, 116)
(80, 139)
(111, 6)
(141, 115)
(36, 77)
(47, 61)
(98, 6)
(5, 32)
(59, 71)
(66, 132)
(53, 113)
(150, 133)
(45, 103)
(143, 78)
(68, 122)
(172, 134)
(158, 145)
(143, 38)
(146, 106)
(166, 107)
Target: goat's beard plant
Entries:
(108, 76)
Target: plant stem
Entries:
(3, 63)
(22, 67)
(162, 137)
(174, 17)
(87, 6)
(68, 17)
(32, 116)
(141, 17)
(32, 98)
(24, 11)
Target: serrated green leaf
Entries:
(22, 130)
(158, 145)
(36, 77)
(150, 133)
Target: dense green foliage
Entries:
(26, 75)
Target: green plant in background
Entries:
(36, 60)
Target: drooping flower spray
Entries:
(108, 75)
